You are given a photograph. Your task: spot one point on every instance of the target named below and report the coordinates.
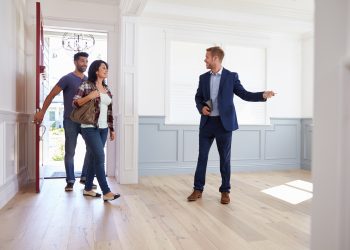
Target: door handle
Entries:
(43, 132)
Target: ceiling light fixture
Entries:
(77, 41)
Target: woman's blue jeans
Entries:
(95, 140)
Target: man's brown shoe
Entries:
(225, 198)
(195, 195)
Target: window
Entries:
(52, 116)
(187, 63)
(250, 64)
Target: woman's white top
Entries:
(102, 119)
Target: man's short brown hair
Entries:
(217, 51)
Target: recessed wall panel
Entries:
(129, 145)
(129, 43)
(129, 94)
(246, 145)
(156, 145)
(281, 143)
(10, 150)
(22, 143)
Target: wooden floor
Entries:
(156, 215)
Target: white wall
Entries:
(14, 122)
(284, 76)
(151, 69)
(12, 54)
(307, 89)
(284, 60)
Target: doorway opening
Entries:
(58, 60)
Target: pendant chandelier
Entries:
(77, 41)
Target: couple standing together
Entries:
(78, 90)
(214, 101)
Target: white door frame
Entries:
(122, 154)
(330, 227)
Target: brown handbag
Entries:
(84, 114)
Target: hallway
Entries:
(154, 214)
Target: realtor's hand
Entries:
(268, 94)
(112, 135)
(206, 110)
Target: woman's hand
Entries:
(94, 94)
(112, 135)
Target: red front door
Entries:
(40, 129)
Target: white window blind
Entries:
(187, 63)
(250, 64)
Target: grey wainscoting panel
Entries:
(283, 141)
(306, 145)
(157, 145)
(190, 145)
(171, 149)
(246, 144)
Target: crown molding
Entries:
(132, 7)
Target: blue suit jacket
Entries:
(229, 85)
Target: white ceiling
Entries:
(290, 15)
(295, 16)
(110, 2)
(277, 7)
(294, 4)
(128, 7)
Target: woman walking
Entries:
(95, 135)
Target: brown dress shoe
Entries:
(195, 195)
(225, 198)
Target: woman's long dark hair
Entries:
(95, 65)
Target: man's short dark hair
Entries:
(80, 54)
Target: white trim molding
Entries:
(127, 118)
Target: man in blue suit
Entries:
(214, 101)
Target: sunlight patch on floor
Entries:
(293, 192)
(304, 185)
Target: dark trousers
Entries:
(214, 129)
(71, 132)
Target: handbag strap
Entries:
(93, 87)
